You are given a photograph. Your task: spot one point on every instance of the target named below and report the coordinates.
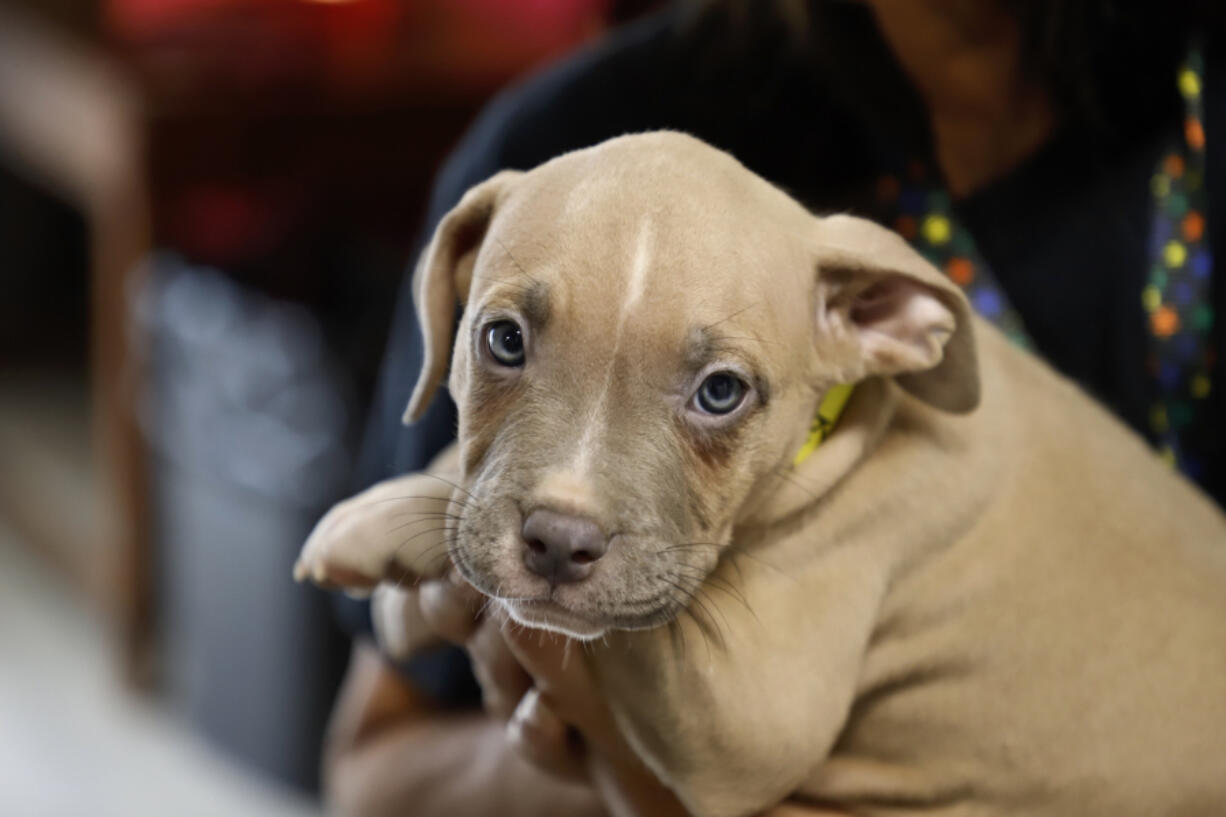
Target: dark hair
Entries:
(1103, 61)
(1108, 65)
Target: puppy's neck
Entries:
(796, 489)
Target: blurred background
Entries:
(206, 207)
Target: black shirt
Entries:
(1065, 233)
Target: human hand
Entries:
(409, 619)
(539, 684)
(556, 715)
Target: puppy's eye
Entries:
(720, 393)
(505, 342)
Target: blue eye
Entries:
(505, 342)
(721, 393)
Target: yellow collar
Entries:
(828, 413)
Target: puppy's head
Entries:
(647, 330)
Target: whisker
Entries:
(729, 552)
(404, 543)
(731, 555)
(730, 317)
(506, 281)
(676, 635)
(763, 341)
(703, 624)
(791, 478)
(434, 518)
(695, 607)
(718, 583)
(438, 557)
(515, 261)
(714, 582)
(432, 551)
(431, 555)
(458, 487)
(401, 514)
(702, 590)
(413, 571)
(412, 498)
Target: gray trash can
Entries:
(249, 426)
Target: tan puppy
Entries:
(981, 596)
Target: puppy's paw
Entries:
(341, 553)
(395, 531)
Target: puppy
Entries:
(980, 596)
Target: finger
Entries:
(555, 661)
(502, 680)
(561, 672)
(450, 608)
(558, 668)
(400, 625)
(548, 743)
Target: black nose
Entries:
(560, 547)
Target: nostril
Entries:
(561, 547)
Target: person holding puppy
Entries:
(1051, 157)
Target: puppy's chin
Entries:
(547, 615)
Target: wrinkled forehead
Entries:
(631, 234)
(684, 249)
(686, 194)
(670, 306)
(617, 272)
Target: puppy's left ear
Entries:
(896, 314)
(442, 279)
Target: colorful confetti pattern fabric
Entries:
(1176, 297)
(925, 218)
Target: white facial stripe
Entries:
(640, 263)
(638, 272)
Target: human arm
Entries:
(392, 751)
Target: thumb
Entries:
(559, 669)
(539, 734)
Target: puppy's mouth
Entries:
(542, 611)
(640, 582)
(549, 614)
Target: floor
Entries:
(74, 743)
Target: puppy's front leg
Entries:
(395, 530)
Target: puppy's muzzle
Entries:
(562, 548)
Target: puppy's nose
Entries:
(560, 547)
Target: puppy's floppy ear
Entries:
(442, 279)
(879, 298)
